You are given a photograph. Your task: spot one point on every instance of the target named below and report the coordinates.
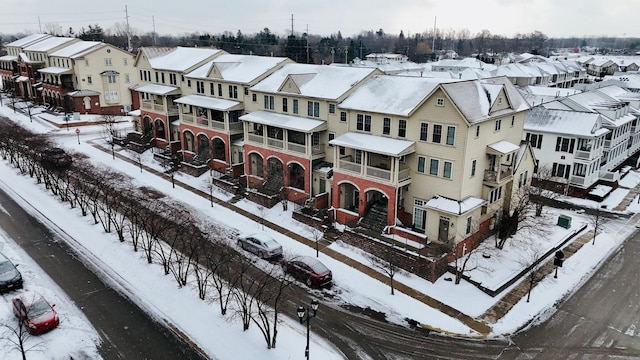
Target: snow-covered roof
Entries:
(386, 94)
(22, 78)
(576, 123)
(8, 58)
(85, 92)
(238, 68)
(55, 70)
(503, 147)
(316, 81)
(158, 89)
(473, 98)
(209, 102)
(28, 40)
(285, 121)
(136, 112)
(81, 47)
(376, 144)
(456, 207)
(182, 58)
(49, 44)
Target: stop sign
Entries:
(77, 131)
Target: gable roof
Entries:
(386, 94)
(575, 123)
(79, 47)
(316, 81)
(50, 43)
(474, 99)
(28, 40)
(178, 59)
(238, 68)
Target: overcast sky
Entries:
(555, 18)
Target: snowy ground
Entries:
(151, 287)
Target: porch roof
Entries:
(456, 207)
(375, 144)
(55, 70)
(209, 102)
(285, 121)
(22, 78)
(85, 92)
(9, 58)
(158, 89)
(503, 147)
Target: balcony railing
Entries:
(187, 118)
(503, 174)
(583, 155)
(218, 125)
(300, 149)
(374, 173)
(235, 126)
(275, 143)
(257, 139)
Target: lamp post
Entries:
(306, 315)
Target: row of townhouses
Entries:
(431, 158)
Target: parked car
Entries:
(261, 244)
(10, 277)
(308, 269)
(35, 313)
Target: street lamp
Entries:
(306, 315)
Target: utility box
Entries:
(564, 221)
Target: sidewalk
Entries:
(482, 324)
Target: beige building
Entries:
(96, 75)
(160, 81)
(423, 156)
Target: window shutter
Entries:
(573, 143)
(558, 142)
(539, 141)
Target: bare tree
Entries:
(543, 191)
(317, 235)
(531, 259)
(110, 130)
(386, 263)
(597, 220)
(467, 261)
(266, 299)
(18, 336)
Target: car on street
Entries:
(35, 313)
(309, 270)
(261, 244)
(10, 277)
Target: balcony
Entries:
(374, 173)
(502, 175)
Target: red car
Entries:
(35, 313)
(308, 269)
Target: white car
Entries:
(260, 244)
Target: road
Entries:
(601, 320)
(127, 332)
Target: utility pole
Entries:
(39, 25)
(333, 52)
(433, 45)
(153, 21)
(126, 16)
(346, 54)
(291, 24)
(307, 39)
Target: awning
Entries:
(209, 102)
(54, 70)
(375, 144)
(285, 121)
(109, 72)
(502, 147)
(158, 89)
(456, 207)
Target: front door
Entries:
(443, 230)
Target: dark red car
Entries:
(308, 269)
(35, 313)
